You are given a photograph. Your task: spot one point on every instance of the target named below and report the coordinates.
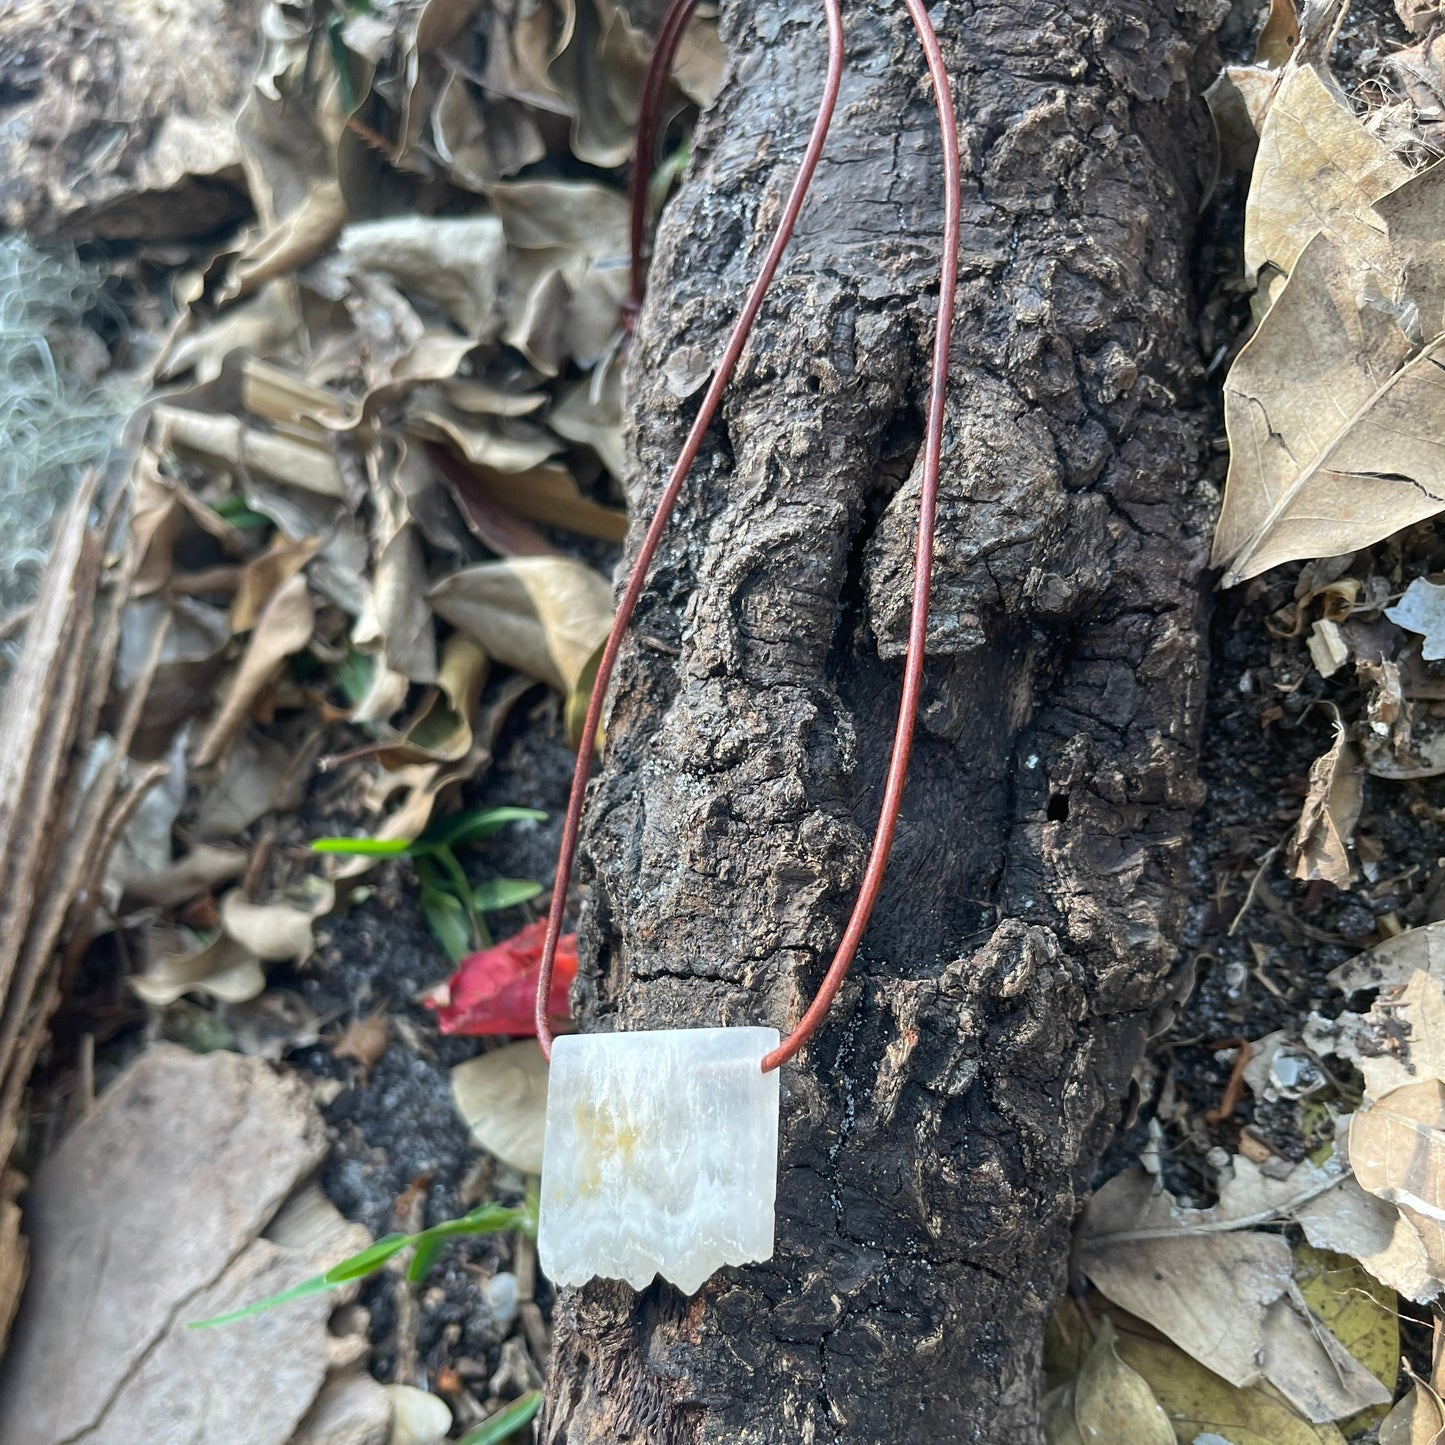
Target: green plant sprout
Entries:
(484, 1219)
(450, 904)
(506, 1422)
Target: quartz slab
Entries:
(660, 1156)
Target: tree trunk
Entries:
(939, 1135)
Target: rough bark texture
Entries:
(940, 1133)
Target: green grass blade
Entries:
(315, 1285)
(357, 1266)
(448, 922)
(505, 1422)
(425, 1256)
(484, 1219)
(478, 823)
(497, 893)
(353, 1267)
(363, 847)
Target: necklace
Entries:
(661, 1150)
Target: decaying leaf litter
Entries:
(361, 571)
(371, 499)
(1259, 1272)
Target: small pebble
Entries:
(418, 1418)
(500, 1293)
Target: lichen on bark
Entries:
(940, 1133)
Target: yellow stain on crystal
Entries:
(613, 1140)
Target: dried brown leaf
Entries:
(1397, 1151)
(265, 323)
(1238, 99)
(261, 576)
(1317, 166)
(1331, 810)
(225, 439)
(541, 615)
(597, 69)
(1420, 1010)
(701, 57)
(548, 495)
(590, 412)
(1108, 1401)
(502, 1097)
(300, 236)
(441, 731)
(397, 621)
(1280, 34)
(365, 1040)
(283, 628)
(1334, 425)
(503, 446)
(452, 262)
(1395, 961)
(1308, 1365)
(221, 969)
(1397, 1146)
(1208, 1292)
(1418, 16)
(280, 930)
(482, 138)
(194, 873)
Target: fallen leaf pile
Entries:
(373, 487)
(376, 413)
(1335, 405)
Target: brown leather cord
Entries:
(933, 442)
(654, 83)
(922, 565)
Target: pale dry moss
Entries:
(59, 412)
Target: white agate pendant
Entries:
(661, 1155)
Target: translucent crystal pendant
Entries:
(661, 1155)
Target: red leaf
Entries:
(494, 991)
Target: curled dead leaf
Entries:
(1316, 161)
(542, 615)
(1331, 810)
(502, 1097)
(1397, 1151)
(1108, 1401)
(1393, 962)
(441, 731)
(452, 262)
(221, 969)
(298, 463)
(283, 628)
(279, 930)
(196, 872)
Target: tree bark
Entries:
(940, 1134)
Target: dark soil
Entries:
(401, 1157)
(1259, 944)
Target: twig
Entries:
(1275, 1215)
(1253, 888)
(1234, 1089)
